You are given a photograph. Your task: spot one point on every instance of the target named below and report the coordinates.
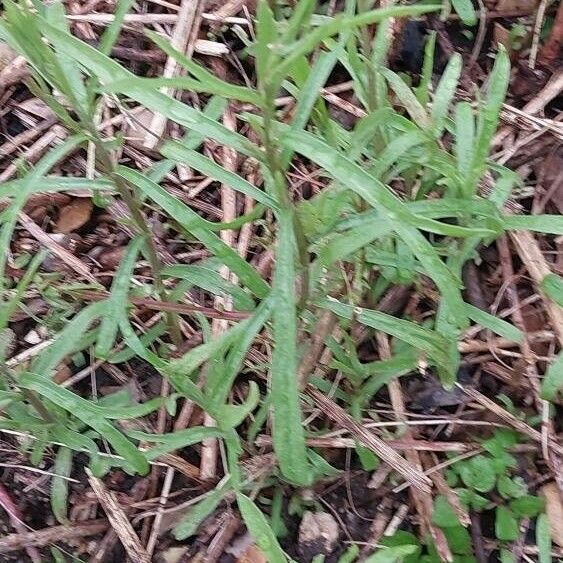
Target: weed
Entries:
(362, 219)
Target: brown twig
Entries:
(16, 519)
(118, 520)
(165, 306)
(412, 474)
(40, 538)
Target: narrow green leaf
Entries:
(549, 224)
(441, 350)
(552, 383)
(423, 89)
(407, 98)
(299, 20)
(109, 71)
(190, 522)
(394, 554)
(488, 117)
(59, 485)
(210, 280)
(68, 340)
(497, 325)
(117, 302)
(466, 11)
(260, 530)
(52, 184)
(287, 431)
(174, 150)
(289, 53)
(380, 197)
(166, 443)
(552, 285)
(87, 413)
(266, 38)
(464, 138)
(444, 95)
(110, 35)
(220, 381)
(506, 524)
(197, 226)
(543, 539)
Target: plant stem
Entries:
(280, 187)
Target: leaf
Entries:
(395, 554)
(289, 53)
(466, 11)
(308, 94)
(488, 117)
(444, 95)
(175, 151)
(464, 138)
(266, 39)
(511, 488)
(506, 524)
(527, 506)
(287, 431)
(407, 98)
(443, 514)
(478, 473)
(68, 339)
(552, 285)
(552, 383)
(53, 184)
(438, 348)
(110, 35)
(191, 521)
(85, 411)
(212, 281)
(380, 197)
(59, 485)
(543, 539)
(220, 380)
(497, 325)
(197, 226)
(173, 441)
(423, 89)
(299, 20)
(109, 71)
(117, 302)
(260, 530)
(549, 224)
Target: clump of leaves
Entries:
(358, 220)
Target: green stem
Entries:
(273, 162)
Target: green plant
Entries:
(359, 220)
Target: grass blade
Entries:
(548, 224)
(407, 98)
(117, 302)
(208, 167)
(68, 339)
(260, 530)
(444, 94)
(497, 325)
(59, 484)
